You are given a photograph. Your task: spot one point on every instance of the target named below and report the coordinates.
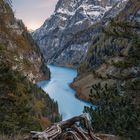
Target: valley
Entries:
(77, 77)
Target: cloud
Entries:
(33, 12)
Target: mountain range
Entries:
(62, 38)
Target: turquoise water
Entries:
(58, 88)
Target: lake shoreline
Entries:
(59, 88)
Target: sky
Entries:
(33, 12)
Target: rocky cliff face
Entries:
(15, 39)
(113, 57)
(62, 37)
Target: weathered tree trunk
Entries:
(68, 130)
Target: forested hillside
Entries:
(110, 75)
(110, 47)
(23, 106)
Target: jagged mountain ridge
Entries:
(57, 37)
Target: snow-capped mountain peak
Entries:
(69, 18)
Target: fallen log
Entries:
(76, 128)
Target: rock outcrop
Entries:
(66, 36)
(14, 38)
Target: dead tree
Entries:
(76, 128)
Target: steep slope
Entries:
(26, 55)
(62, 38)
(23, 106)
(110, 76)
(113, 57)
